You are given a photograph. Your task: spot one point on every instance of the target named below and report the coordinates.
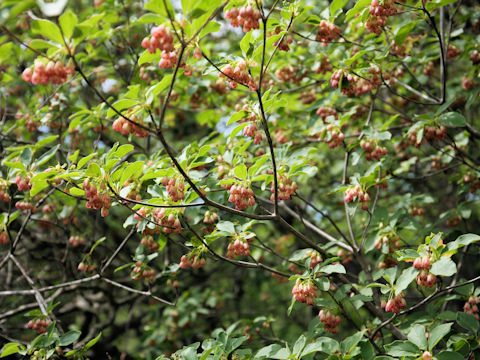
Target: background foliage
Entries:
(174, 185)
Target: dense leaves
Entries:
(239, 179)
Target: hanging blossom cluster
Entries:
(53, 72)
(193, 261)
(238, 246)
(327, 32)
(97, 199)
(352, 85)
(237, 75)
(379, 15)
(304, 291)
(395, 304)
(245, 16)
(286, 188)
(125, 127)
(162, 39)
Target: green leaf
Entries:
(405, 279)
(436, 4)
(463, 240)
(93, 341)
(47, 156)
(402, 32)
(437, 334)
(226, 227)
(322, 344)
(133, 170)
(26, 156)
(444, 267)
(156, 89)
(158, 6)
(240, 171)
(299, 344)
(15, 165)
(69, 338)
(468, 321)
(38, 186)
(121, 105)
(334, 268)
(211, 27)
(359, 7)
(351, 342)
(84, 160)
(67, 22)
(11, 348)
(146, 57)
(449, 355)
(270, 352)
(47, 29)
(418, 337)
(452, 119)
(402, 348)
(98, 242)
(337, 5)
(245, 42)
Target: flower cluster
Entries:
(334, 136)
(324, 66)
(315, 258)
(416, 210)
(348, 82)
(373, 153)
(245, 16)
(76, 240)
(308, 97)
(23, 183)
(289, 74)
(125, 127)
(26, 206)
(468, 83)
(238, 246)
(475, 57)
(210, 217)
(86, 267)
(324, 112)
(4, 196)
(141, 270)
(357, 192)
(304, 291)
(346, 256)
(170, 223)
(251, 130)
(286, 188)
(327, 32)
(3, 238)
(239, 74)
(330, 321)
(429, 133)
(453, 51)
(194, 261)
(241, 196)
(175, 188)
(161, 39)
(54, 72)
(149, 243)
(424, 278)
(39, 325)
(169, 60)
(391, 240)
(471, 306)
(379, 15)
(96, 200)
(395, 304)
